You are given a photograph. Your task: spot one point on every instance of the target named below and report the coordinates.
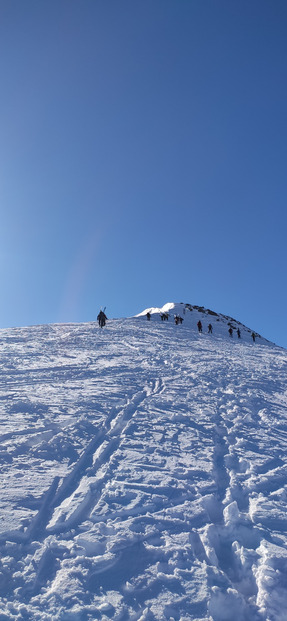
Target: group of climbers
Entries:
(230, 332)
(178, 320)
(209, 327)
(102, 318)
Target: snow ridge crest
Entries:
(191, 314)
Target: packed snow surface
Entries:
(144, 471)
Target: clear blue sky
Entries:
(143, 159)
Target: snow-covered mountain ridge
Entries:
(143, 472)
(191, 314)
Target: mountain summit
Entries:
(143, 471)
(191, 314)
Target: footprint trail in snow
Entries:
(143, 473)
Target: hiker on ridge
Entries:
(230, 331)
(209, 328)
(199, 325)
(164, 316)
(102, 318)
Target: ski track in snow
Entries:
(143, 474)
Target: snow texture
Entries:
(143, 471)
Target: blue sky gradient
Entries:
(143, 159)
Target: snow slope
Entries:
(192, 314)
(143, 472)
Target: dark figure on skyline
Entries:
(164, 316)
(238, 333)
(253, 336)
(230, 331)
(148, 316)
(199, 325)
(209, 328)
(102, 318)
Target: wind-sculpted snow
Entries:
(143, 473)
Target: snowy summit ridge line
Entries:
(191, 314)
(143, 471)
